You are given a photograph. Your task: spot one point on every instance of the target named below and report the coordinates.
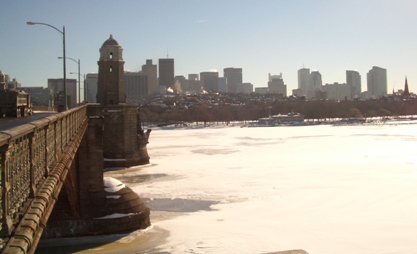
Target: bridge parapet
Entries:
(28, 154)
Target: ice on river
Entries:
(324, 189)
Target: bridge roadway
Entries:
(12, 122)
(35, 159)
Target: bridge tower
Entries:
(124, 140)
(111, 87)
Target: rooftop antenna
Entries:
(167, 53)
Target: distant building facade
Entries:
(90, 87)
(314, 84)
(303, 79)
(276, 84)
(222, 84)
(377, 82)
(209, 81)
(247, 88)
(40, 96)
(193, 84)
(57, 85)
(136, 86)
(180, 83)
(337, 91)
(13, 84)
(353, 80)
(151, 70)
(234, 77)
(166, 73)
(261, 90)
(297, 92)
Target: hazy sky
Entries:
(259, 36)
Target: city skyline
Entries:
(261, 38)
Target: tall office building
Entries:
(209, 80)
(90, 87)
(353, 80)
(303, 79)
(57, 85)
(377, 82)
(222, 84)
(276, 84)
(166, 73)
(150, 70)
(314, 84)
(234, 77)
(136, 86)
(193, 84)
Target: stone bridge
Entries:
(52, 178)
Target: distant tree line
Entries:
(319, 109)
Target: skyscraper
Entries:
(353, 80)
(166, 73)
(194, 84)
(377, 82)
(314, 84)
(234, 77)
(57, 85)
(303, 79)
(276, 84)
(222, 84)
(136, 85)
(91, 82)
(150, 70)
(209, 80)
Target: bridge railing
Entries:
(27, 154)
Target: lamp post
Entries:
(64, 62)
(79, 84)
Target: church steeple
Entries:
(406, 91)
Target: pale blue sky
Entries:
(260, 36)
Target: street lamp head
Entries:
(30, 23)
(60, 57)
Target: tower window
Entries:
(111, 68)
(111, 55)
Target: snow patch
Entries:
(115, 216)
(114, 197)
(112, 185)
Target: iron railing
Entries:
(27, 154)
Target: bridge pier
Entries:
(112, 132)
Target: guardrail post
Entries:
(3, 186)
(7, 222)
(32, 185)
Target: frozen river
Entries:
(323, 189)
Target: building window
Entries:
(111, 55)
(111, 68)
